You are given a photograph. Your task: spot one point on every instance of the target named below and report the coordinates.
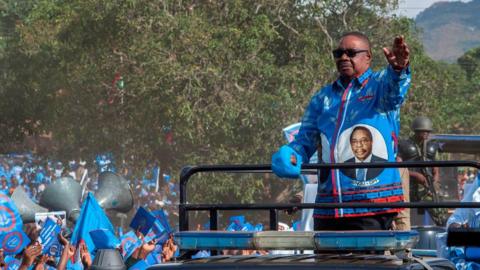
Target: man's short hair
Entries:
(369, 134)
(359, 35)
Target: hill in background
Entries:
(450, 29)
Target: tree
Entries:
(195, 82)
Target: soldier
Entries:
(424, 182)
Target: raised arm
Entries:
(396, 78)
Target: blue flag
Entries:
(160, 216)
(128, 243)
(48, 234)
(12, 263)
(154, 258)
(14, 242)
(157, 232)
(55, 249)
(104, 239)
(143, 221)
(10, 219)
(91, 218)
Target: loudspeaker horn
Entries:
(26, 207)
(114, 192)
(63, 194)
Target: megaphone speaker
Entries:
(26, 207)
(114, 192)
(63, 194)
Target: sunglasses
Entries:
(337, 53)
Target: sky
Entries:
(411, 8)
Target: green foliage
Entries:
(224, 77)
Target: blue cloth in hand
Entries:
(282, 165)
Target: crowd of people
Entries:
(152, 190)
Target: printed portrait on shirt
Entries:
(359, 144)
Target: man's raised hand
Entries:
(398, 57)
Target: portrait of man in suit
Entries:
(361, 142)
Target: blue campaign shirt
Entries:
(372, 102)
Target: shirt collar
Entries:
(360, 80)
(367, 160)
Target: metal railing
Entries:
(188, 172)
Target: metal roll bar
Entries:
(188, 172)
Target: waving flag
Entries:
(157, 232)
(128, 243)
(104, 239)
(9, 217)
(12, 238)
(91, 218)
(11, 263)
(160, 216)
(143, 221)
(14, 242)
(48, 234)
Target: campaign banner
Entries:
(10, 219)
(128, 243)
(162, 217)
(57, 216)
(48, 234)
(157, 232)
(142, 221)
(56, 248)
(14, 242)
(11, 263)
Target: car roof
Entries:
(307, 261)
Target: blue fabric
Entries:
(48, 234)
(372, 101)
(74, 265)
(128, 243)
(157, 232)
(12, 263)
(91, 218)
(154, 258)
(282, 165)
(14, 241)
(104, 239)
(290, 132)
(469, 216)
(9, 217)
(143, 221)
(258, 227)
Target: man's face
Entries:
(353, 66)
(361, 144)
(422, 135)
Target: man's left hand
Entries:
(399, 56)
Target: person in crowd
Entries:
(462, 178)
(3, 185)
(359, 97)
(424, 182)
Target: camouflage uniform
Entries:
(409, 150)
